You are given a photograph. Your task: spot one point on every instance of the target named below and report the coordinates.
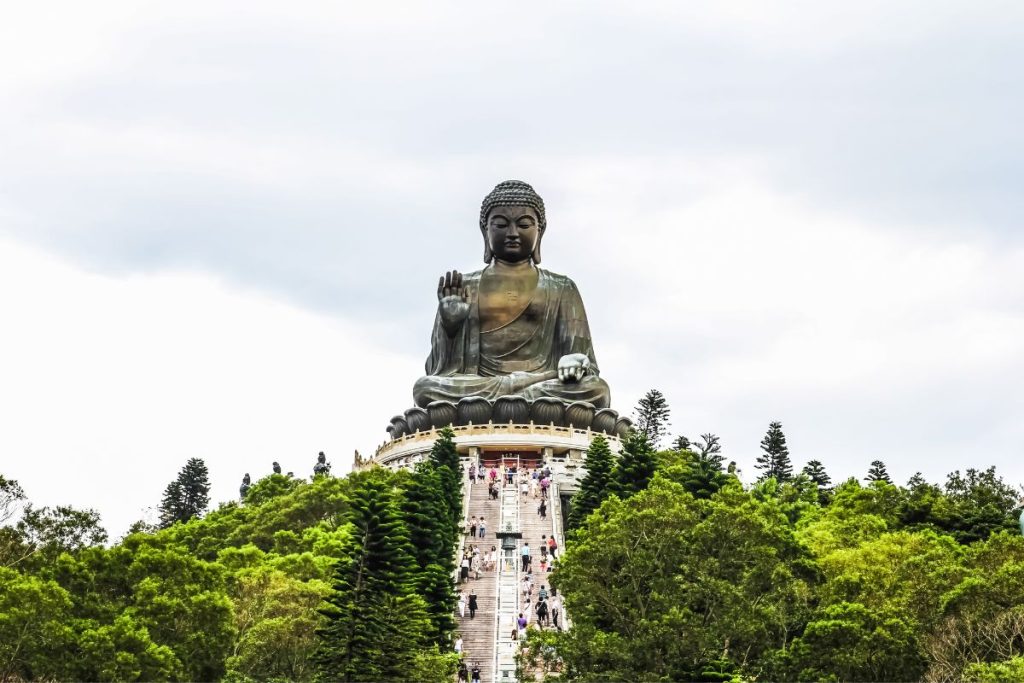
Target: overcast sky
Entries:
(221, 224)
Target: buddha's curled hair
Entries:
(513, 193)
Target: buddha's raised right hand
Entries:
(453, 301)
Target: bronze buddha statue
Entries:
(512, 328)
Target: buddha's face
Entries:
(512, 232)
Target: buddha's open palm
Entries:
(573, 366)
(453, 300)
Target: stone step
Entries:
(478, 633)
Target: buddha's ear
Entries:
(488, 254)
(536, 250)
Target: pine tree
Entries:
(775, 460)
(636, 466)
(188, 495)
(424, 510)
(376, 625)
(445, 459)
(710, 449)
(878, 472)
(681, 443)
(815, 471)
(595, 485)
(704, 476)
(652, 417)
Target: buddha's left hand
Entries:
(572, 367)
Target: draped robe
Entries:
(521, 357)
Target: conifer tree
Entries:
(815, 471)
(775, 462)
(425, 511)
(878, 472)
(188, 495)
(703, 476)
(445, 459)
(709, 448)
(681, 443)
(636, 466)
(376, 625)
(652, 417)
(595, 485)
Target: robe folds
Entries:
(521, 357)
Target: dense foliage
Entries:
(674, 570)
(246, 592)
(696, 577)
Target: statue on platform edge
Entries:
(512, 327)
(322, 466)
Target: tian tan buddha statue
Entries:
(513, 327)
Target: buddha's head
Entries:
(512, 222)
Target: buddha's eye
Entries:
(525, 225)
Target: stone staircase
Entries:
(478, 634)
(487, 638)
(536, 531)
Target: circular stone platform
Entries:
(487, 442)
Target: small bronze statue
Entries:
(244, 488)
(322, 466)
(511, 328)
(277, 467)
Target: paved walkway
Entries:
(536, 531)
(487, 638)
(478, 633)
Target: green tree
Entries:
(709, 448)
(34, 630)
(188, 495)
(700, 473)
(815, 471)
(594, 487)
(663, 586)
(276, 619)
(636, 465)
(850, 642)
(879, 600)
(61, 529)
(983, 614)
(376, 627)
(652, 413)
(681, 443)
(982, 503)
(774, 461)
(183, 603)
(877, 472)
(425, 512)
(996, 672)
(121, 651)
(445, 459)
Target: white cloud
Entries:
(109, 385)
(806, 213)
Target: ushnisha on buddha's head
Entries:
(512, 222)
